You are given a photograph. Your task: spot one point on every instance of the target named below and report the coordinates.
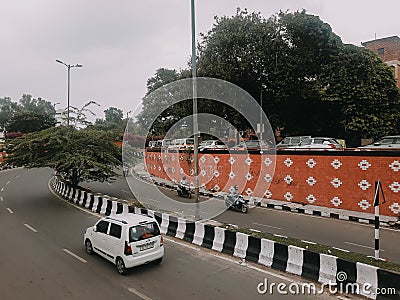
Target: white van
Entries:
(126, 240)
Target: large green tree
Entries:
(153, 102)
(77, 155)
(29, 121)
(113, 114)
(39, 105)
(300, 67)
(27, 115)
(7, 107)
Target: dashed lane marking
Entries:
(358, 245)
(1, 199)
(9, 210)
(269, 226)
(139, 294)
(74, 255)
(30, 227)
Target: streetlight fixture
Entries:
(69, 70)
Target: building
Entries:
(388, 49)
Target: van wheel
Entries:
(158, 261)
(120, 266)
(88, 246)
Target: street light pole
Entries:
(195, 119)
(69, 71)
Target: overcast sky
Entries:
(121, 43)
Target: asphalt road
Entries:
(43, 257)
(351, 236)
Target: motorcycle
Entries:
(394, 224)
(236, 203)
(184, 191)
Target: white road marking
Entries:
(8, 182)
(125, 191)
(282, 236)
(202, 212)
(30, 227)
(153, 200)
(308, 242)
(267, 226)
(1, 199)
(340, 249)
(2, 189)
(139, 294)
(182, 244)
(9, 210)
(74, 255)
(361, 246)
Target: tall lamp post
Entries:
(69, 71)
(195, 118)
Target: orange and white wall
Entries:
(343, 180)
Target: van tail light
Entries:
(161, 241)
(128, 249)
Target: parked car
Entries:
(126, 240)
(212, 145)
(181, 144)
(308, 142)
(253, 145)
(385, 143)
(152, 144)
(163, 143)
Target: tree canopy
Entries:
(77, 155)
(29, 121)
(309, 81)
(27, 115)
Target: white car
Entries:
(212, 145)
(309, 143)
(126, 240)
(385, 143)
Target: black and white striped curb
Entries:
(323, 268)
(103, 205)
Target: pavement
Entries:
(309, 209)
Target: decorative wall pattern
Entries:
(339, 180)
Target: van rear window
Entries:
(143, 231)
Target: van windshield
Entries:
(143, 231)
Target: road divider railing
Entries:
(333, 272)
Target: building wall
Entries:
(339, 179)
(389, 50)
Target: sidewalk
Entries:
(308, 209)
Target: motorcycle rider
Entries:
(183, 181)
(235, 192)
